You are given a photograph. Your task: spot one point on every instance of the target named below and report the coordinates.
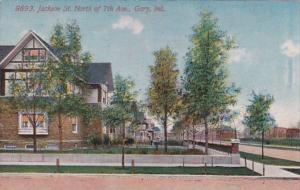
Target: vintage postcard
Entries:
(149, 94)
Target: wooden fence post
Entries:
(57, 165)
(132, 166)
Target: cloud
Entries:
(129, 23)
(239, 54)
(290, 49)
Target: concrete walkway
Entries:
(114, 164)
(270, 170)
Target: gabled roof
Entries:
(45, 43)
(4, 50)
(100, 73)
(21, 44)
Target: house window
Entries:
(71, 88)
(42, 55)
(104, 96)
(52, 146)
(9, 146)
(112, 130)
(74, 122)
(29, 146)
(27, 119)
(34, 55)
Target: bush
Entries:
(106, 139)
(174, 143)
(129, 141)
(94, 140)
(116, 141)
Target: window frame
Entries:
(29, 125)
(75, 125)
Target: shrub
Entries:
(129, 141)
(174, 143)
(94, 140)
(116, 141)
(106, 139)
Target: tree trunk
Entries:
(34, 139)
(34, 129)
(60, 132)
(193, 137)
(220, 136)
(188, 135)
(206, 135)
(262, 144)
(123, 145)
(166, 132)
(235, 133)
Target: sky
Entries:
(126, 33)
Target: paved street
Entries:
(273, 152)
(141, 182)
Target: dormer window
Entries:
(34, 55)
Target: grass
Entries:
(269, 160)
(279, 142)
(296, 171)
(118, 150)
(137, 170)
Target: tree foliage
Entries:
(29, 91)
(205, 84)
(163, 93)
(67, 76)
(258, 117)
(123, 108)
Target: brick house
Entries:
(15, 130)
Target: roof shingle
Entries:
(100, 73)
(4, 50)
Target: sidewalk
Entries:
(114, 164)
(270, 170)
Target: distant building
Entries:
(282, 133)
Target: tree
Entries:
(66, 77)
(257, 116)
(123, 108)
(29, 90)
(205, 75)
(162, 93)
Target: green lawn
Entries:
(279, 142)
(138, 170)
(269, 160)
(118, 150)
